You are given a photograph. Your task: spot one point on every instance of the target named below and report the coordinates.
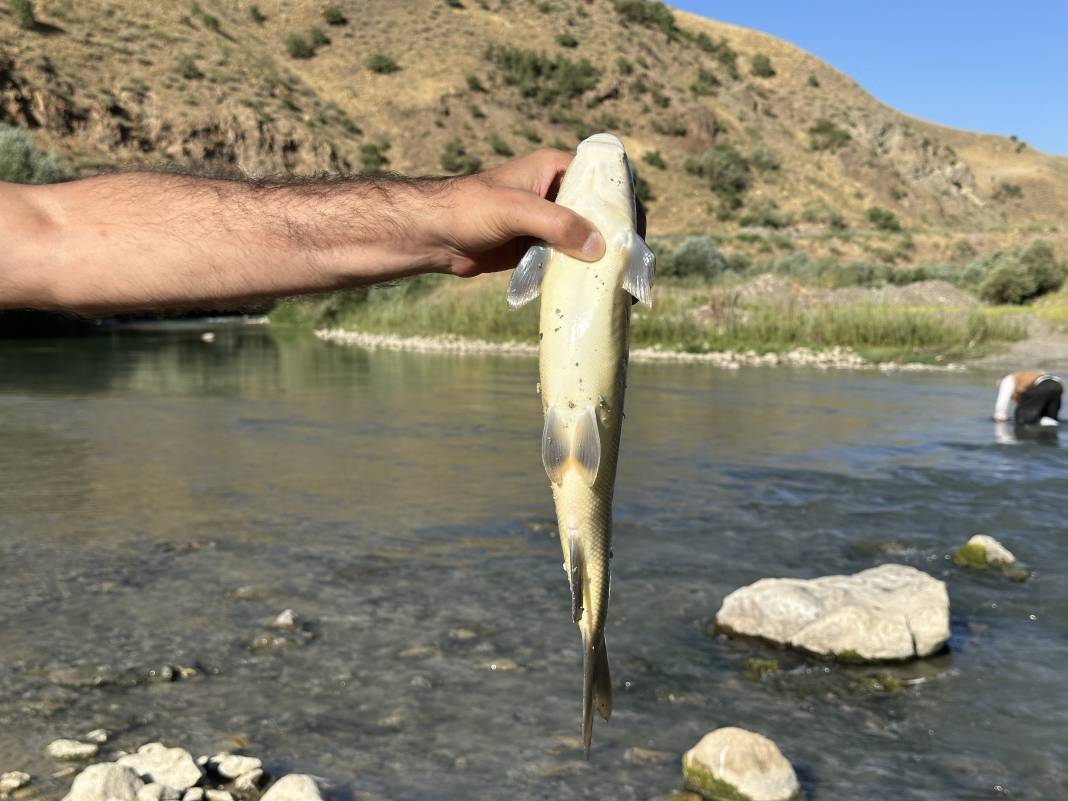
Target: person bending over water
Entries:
(147, 241)
(1037, 397)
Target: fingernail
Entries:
(593, 246)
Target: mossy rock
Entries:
(971, 555)
(708, 786)
(762, 667)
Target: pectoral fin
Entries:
(525, 284)
(641, 269)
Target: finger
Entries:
(560, 228)
(537, 172)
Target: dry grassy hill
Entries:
(782, 136)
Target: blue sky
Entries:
(997, 67)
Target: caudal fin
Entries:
(597, 688)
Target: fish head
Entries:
(602, 175)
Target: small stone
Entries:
(98, 736)
(173, 767)
(64, 773)
(218, 795)
(248, 782)
(462, 634)
(231, 766)
(500, 664)
(271, 642)
(12, 781)
(294, 787)
(194, 794)
(106, 781)
(157, 792)
(418, 651)
(286, 619)
(71, 749)
(203, 760)
(981, 552)
(248, 593)
(647, 756)
(738, 764)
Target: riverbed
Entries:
(164, 497)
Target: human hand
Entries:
(490, 219)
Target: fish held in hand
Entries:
(584, 335)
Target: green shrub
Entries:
(654, 159)
(529, 134)
(500, 147)
(760, 66)
(542, 78)
(373, 158)
(382, 64)
(566, 40)
(766, 214)
(21, 163)
(721, 50)
(661, 100)
(624, 66)
(1007, 191)
(648, 13)
(256, 15)
(476, 112)
(697, 256)
(188, 69)
(1018, 276)
(726, 171)
(22, 11)
(456, 159)
(883, 219)
(764, 158)
(474, 84)
(318, 38)
(211, 22)
(813, 81)
(298, 47)
(334, 16)
(705, 83)
(454, 4)
(669, 127)
(825, 135)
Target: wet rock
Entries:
(64, 773)
(294, 787)
(218, 795)
(890, 612)
(157, 792)
(287, 619)
(106, 782)
(230, 766)
(194, 794)
(738, 764)
(12, 781)
(247, 593)
(71, 749)
(504, 664)
(981, 552)
(648, 756)
(248, 782)
(462, 634)
(98, 736)
(173, 767)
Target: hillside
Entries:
(784, 138)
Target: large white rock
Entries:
(888, 612)
(735, 763)
(294, 787)
(173, 767)
(105, 781)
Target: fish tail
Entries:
(597, 686)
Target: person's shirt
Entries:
(1013, 386)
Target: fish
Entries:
(584, 336)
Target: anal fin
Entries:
(641, 270)
(577, 574)
(525, 284)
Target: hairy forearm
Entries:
(152, 240)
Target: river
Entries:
(163, 498)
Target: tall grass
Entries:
(684, 319)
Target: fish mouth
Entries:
(602, 139)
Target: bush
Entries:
(1018, 276)
(566, 40)
(654, 159)
(726, 171)
(334, 16)
(764, 158)
(883, 219)
(1006, 191)
(697, 256)
(373, 157)
(298, 47)
(813, 81)
(22, 11)
(624, 66)
(318, 37)
(500, 147)
(661, 100)
(456, 159)
(648, 13)
(670, 127)
(542, 78)
(825, 135)
(766, 214)
(382, 64)
(722, 52)
(760, 66)
(256, 15)
(705, 83)
(476, 112)
(20, 163)
(211, 22)
(188, 69)
(474, 84)
(529, 134)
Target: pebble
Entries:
(12, 781)
(294, 787)
(218, 795)
(500, 664)
(231, 766)
(71, 749)
(98, 736)
(647, 756)
(287, 619)
(248, 782)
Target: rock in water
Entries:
(105, 782)
(982, 551)
(890, 612)
(12, 781)
(173, 767)
(230, 766)
(741, 765)
(294, 787)
(71, 749)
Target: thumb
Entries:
(560, 228)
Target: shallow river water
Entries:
(163, 498)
